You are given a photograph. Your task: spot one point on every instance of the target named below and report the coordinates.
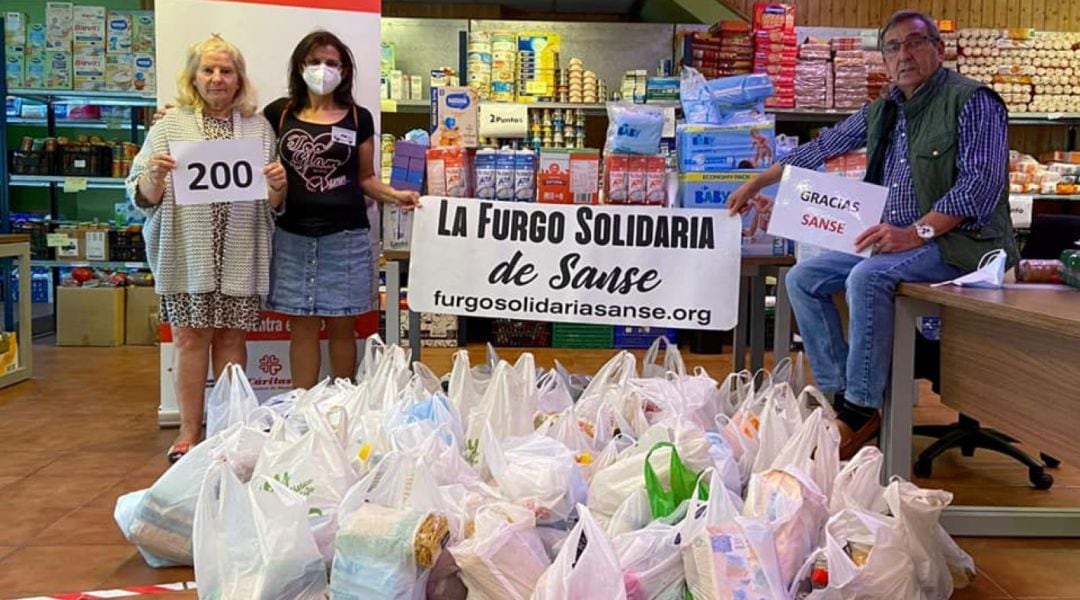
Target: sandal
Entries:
(177, 451)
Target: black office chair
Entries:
(1050, 234)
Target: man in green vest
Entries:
(937, 141)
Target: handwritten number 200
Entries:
(221, 177)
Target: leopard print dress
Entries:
(213, 309)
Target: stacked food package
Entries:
(503, 65)
(813, 75)
(1055, 175)
(1033, 71)
(776, 50)
(950, 37)
(727, 49)
(877, 78)
(850, 72)
(480, 63)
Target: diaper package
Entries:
(634, 128)
(718, 148)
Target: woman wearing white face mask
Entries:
(322, 265)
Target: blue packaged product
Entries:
(718, 148)
(504, 175)
(711, 190)
(485, 173)
(634, 129)
(525, 176)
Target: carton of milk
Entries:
(485, 173)
(35, 39)
(454, 117)
(525, 176)
(504, 175)
(58, 34)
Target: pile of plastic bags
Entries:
(639, 483)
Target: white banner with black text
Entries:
(614, 265)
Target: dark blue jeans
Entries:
(861, 368)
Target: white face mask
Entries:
(321, 79)
(990, 274)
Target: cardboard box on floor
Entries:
(90, 316)
(142, 316)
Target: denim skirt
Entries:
(327, 276)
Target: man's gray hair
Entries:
(907, 15)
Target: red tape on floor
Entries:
(131, 592)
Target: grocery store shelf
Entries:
(1021, 118)
(76, 123)
(75, 96)
(1059, 198)
(45, 180)
(100, 264)
(810, 114)
(406, 106)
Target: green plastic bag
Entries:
(664, 502)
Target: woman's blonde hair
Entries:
(188, 95)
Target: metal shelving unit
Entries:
(75, 123)
(100, 264)
(58, 184)
(106, 183)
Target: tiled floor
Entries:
(84, 431)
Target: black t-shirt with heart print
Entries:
(323, 171)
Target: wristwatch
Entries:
(925, 232)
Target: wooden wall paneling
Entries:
(938, 10)
(1052, 15)
(862, 14)
(974, 16)
(1007, 13)
(1024, 19)
(1074, 16)
(878, 14)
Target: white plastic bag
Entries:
(940, 564)
(673, 360)
(315, 466)
(505, 557)
(230, 400)
(795, 510)
(633, 514)
(727, 556)
(508, 407)
(858, 484)
(888, 571)
(159, 520)
(589, 572)
(536, 472)
(651, 562)
(779, 420)
(384, 552)
(814, 450)
(254, 541)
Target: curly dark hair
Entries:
(298, 91)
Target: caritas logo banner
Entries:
(268, 367)
(828, 211)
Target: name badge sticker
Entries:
(343, 136)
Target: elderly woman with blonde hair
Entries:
(211, 262)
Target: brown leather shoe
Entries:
(852, 441)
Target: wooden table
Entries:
(1010, 358)
(17, 246)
